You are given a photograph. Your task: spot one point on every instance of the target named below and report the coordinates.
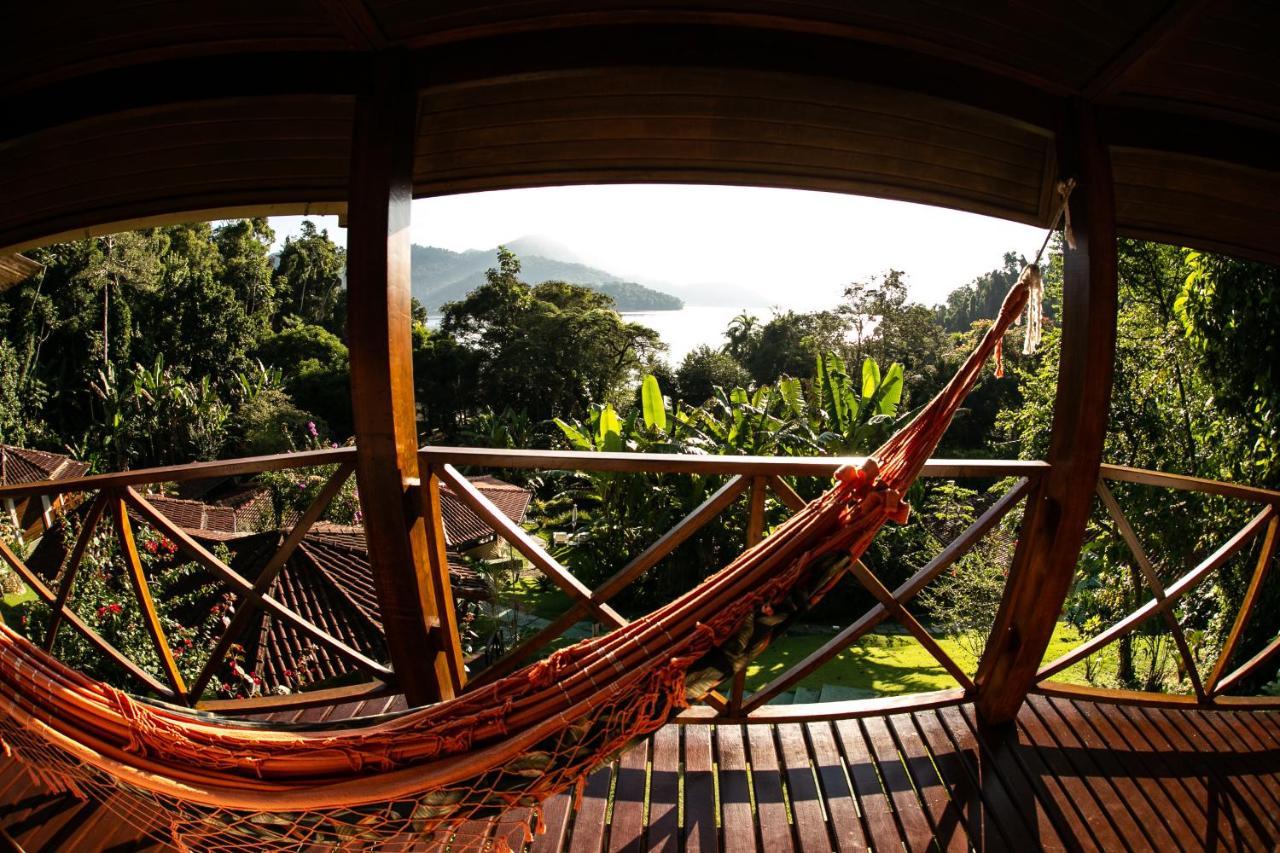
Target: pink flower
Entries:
(311, 428)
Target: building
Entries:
(34, 515)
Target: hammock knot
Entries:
(858, 478)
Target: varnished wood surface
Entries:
(1067, 774)
(150, 109)
(552, 460)
(414, 597)
(1057, 512)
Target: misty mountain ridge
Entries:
(442, 275)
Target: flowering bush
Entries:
(103, 597)
(294, 490)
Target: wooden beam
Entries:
(32, 580)
(1057, 512)
(1169, 25)
(1181, 482)
(755, 533)
(899, 611)
(247, 604)
(526, 545)
(427, 661)
(1260, 572)
(142, 592)
(68, 579)
(553, 460)
(181, 473)
(1245, 670)
(786, 494)
(641, 563)
(958, 547)
(1157, 605)
(357, 24)
(685, 463)
(325, 696)
(1152, 578)
(202, 555)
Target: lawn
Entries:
(885, 663)
(12, 600)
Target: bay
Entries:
(690, 327)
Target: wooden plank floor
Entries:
(1071, 774)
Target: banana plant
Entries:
(848, 418)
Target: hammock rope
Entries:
(202, 782)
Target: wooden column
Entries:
(1053, 527)
(413, 590)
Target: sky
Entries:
(796, 248)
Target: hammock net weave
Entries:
(202, 782)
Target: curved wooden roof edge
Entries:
(956, 109)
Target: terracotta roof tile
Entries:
(329, 583)
(463, 528)
(21, 465)
(197, 516)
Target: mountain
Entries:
(440, 275)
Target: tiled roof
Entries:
(20, 465)
(195, 516)
(463, 528)
(328, 582)
(241, 511)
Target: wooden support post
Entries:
(426, 657)
(1054, 524)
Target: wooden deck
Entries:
(1071, 774)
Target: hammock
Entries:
(202, 782)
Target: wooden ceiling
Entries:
(152, 110)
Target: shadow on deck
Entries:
(1071, 774)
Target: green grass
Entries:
(13, 599)
(882, 663)
(538, 597)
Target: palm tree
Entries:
(741, 329)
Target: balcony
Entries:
(1079, 767)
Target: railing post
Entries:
(1057, 512)
(425, 653)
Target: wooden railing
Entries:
(1222, 677)
(753, 479)
(115, 495)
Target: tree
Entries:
(245, 248)
(1171, 410)
(551, 350)
(12, 415)
(742, 329)
(1229, 311)
(626, 512)
(980, 299)
(316, 367)
(309, 278)
(704, 370)
(198, 319)
(790, 342)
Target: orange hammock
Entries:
(214, 783)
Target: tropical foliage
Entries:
(194, 341)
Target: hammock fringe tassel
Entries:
(439, 774)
